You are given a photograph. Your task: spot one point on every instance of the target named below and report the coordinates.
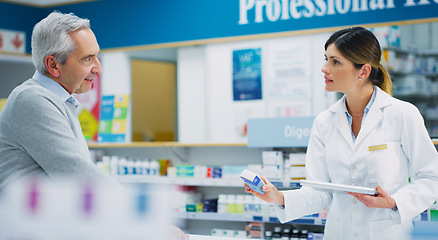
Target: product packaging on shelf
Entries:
(273, 165)
(232, 171)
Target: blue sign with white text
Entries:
(279, 132)
(140, 22)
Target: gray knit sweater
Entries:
(41, 135)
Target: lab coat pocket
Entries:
(384, 164)
(385, 230)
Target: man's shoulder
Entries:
(30, 90)
(30, 96)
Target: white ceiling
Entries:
(43, 3)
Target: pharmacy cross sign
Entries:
(12, 41)
(17, 42)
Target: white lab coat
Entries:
(333, 157)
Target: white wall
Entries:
(191, 90)
(206, 109)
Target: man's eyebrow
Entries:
(88, 56)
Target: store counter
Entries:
(201, 237)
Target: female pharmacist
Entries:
(369, 139)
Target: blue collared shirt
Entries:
(365, 112)
(54, 87)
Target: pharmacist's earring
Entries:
(360, 79)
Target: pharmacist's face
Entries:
(339, 73)
(77, 74)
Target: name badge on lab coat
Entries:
(377, 147)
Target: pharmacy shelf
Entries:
(192, 181)
(235, 217)
(203, 237)
(402, 50)
(161, 144)
(211, 182)
(19, 58)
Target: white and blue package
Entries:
(252, 180)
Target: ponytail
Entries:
(384, 80)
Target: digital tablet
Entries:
(332, 187)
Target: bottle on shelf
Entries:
(146, 167)
(138, 170)
(303, 234)
(222, 203)
(231, 203)
(257, 204)
(123, 168)
(114, 165)
(240, 204)
(130, 165)
(106, 164)
(248, 205)
(286, 234)
(277, 234)
(154, 168)
(295, 234)
(268, 235)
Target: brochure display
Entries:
(113, 115)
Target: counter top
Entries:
(202, 237)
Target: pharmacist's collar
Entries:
(54, 87)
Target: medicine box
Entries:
(273, 165)
(297, 172)
(185, 170)
(232, 171)
(252, 180)
(297, 158)
(272, 157)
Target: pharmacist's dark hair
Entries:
(360, 46)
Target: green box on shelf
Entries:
(434, 215)
(190, 207)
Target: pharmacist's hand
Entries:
(383, 200)
(271, 195)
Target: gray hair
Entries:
(51, 37)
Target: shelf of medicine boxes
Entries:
(214, 182)
(244, 217)
(192, 181)
(189, 181)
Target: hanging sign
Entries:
(279, 132)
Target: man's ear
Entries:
(52, 66)
(365, 71)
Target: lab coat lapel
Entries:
(374, 116)
(341, 121)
